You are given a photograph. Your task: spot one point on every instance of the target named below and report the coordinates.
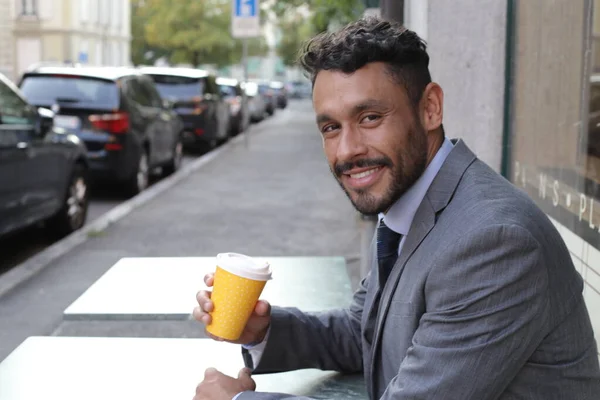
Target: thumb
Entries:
(210, 373)
(245, 377)
(244, 373)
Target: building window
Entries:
(28, 7)
(555, 146)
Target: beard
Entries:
(409, 164)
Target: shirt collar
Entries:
(400, 216)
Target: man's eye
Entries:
(371, 118)
(329, 128)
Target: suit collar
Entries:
(446, 181)
(437, 198)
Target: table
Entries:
(75, 368)
(165, 288)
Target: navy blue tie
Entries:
(387, 254)
(387, 251)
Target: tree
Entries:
(323, 14)
(141, 51)
(296, 32)
(195, 32)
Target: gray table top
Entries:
(165, 288)
(74, 368)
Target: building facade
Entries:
(94, 32)
(6, 37)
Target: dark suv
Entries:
(118, 113)
(43, 170)
(198, 101)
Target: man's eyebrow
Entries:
(322, 118)
(368, 104)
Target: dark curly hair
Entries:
(368, 40)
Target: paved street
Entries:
(19, 247)
(275, 198)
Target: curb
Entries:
(32, 266)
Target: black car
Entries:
(117, 112)
(43, 170)
(198, 101)
(231, 91)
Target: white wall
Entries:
(466, 41)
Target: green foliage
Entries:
(323, 15)
(194, 32)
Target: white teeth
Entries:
(363, 174)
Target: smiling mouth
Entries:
(363, 178)
(364, 174)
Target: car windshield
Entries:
(178, 87)
(46, 90)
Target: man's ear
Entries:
(432, 106)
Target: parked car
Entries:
(280, 93)
(43, 169)
(198, 101)
(232, 92)
(119, 115)
(268, 95)
(300, 89)
(257, 108)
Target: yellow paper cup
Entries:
(239, 281)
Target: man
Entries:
(472, 293)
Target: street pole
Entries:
(244, 95)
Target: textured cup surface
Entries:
(239, 281)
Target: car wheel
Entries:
(175, 162)
(139, 181)
(73, 212)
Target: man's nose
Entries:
(351, 145)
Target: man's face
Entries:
(373, 139)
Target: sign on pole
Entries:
(245, 21)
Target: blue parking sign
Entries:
(246, 8)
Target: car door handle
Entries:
(22, 145)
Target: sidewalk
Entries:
(276, 198)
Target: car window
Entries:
(137, 93)
(17, 118)
(45, 90)
(178, 87)
(13, 110)
(228, 91)
(151, 92)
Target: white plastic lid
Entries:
(244, 266)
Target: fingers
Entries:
(209, 279)
(201, 313)
(263, 308)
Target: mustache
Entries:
(342, 168)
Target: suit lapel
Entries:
(437, 198)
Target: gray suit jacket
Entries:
(483, 303)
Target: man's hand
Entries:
(218, 386)
(257, 326)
